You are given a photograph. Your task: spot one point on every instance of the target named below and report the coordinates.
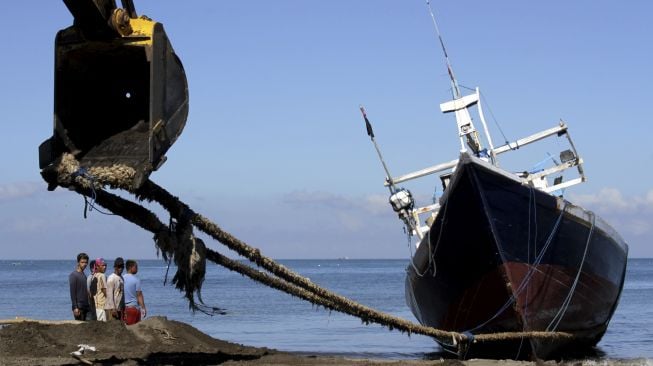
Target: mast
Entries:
(401, 199)
(370, 133)
(460, 104)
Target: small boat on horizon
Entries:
(503, 250)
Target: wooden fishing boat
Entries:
(501, 251)
(502, 256)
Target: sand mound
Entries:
(153, 341)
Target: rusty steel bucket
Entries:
(120, 93)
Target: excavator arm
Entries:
(120, 93)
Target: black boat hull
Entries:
(502, 256)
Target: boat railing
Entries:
(568, 159)
(561, 129)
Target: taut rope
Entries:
(178, 242)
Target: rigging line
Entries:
(534, 241)
(468, 346)
(431, 262)
(496, 122)
(529, 274)
(428, 235)
(521, 344)
(535, 221)
(531, 198)
(565, 304)
(91, 204)
(539, 166)
(528, 242)
(89, 200)
(555, 161)
(435, 194)
(437, 243)
(412, 259)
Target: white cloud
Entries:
(607, 199)
(639, 227)
(610, 200)
(377, 204)
(301, 199)
(14, 190)
(351, 222)
(370, 204)
(630, 215)
(649, 198)
(32, 224)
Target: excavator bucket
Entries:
(120, 93)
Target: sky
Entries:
(275, 150)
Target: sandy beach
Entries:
(159, 341)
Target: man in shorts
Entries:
(134, 302)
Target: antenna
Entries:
(454, 82)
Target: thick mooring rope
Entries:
(190, 253)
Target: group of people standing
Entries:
(96, 297)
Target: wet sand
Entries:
(158, 341)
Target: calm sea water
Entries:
(260, 316)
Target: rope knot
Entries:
(469, 336)
(81, 172)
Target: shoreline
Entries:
(159, 341)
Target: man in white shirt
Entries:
(115, 291)
(100, 296)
